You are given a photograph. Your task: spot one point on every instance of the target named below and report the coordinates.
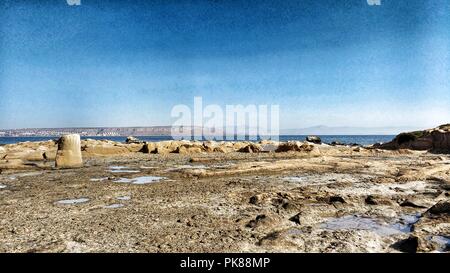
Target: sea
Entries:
(346, 139)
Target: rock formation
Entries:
(314, 139)
(133, 140)
(435, 140)
(294, 146)
(69, 152)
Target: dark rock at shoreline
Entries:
(314, 139)
(337, 143)
(436, 140)
(133, 140)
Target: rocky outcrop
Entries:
(105, 148)
(190, 149)
(314, 139)
(294, 146)
(435, 140)
(250, 148)
(69, 152)
(13, 164)
(133, 140)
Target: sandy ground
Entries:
(266, 202)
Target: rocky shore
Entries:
(189, 196)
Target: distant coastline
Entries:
(153, 131)
(345, 139)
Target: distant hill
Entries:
(107, 131)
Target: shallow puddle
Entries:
(352, 222)
(99, 179)
(223, 166)
(442, 241)
(123, 198)
(72, 201)
(184, 167)
(140, 180)
(405, 223)
(310, 179)
(18, 175)
(114, 206)
(122, 169)
(2, 186)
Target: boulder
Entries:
(294, 146)
(149, 147)
(314, 139)
(250, 148)
(222, 149)
(296, 218)
(239, 145)
(189, 149)
(337, 143)
(408, 245)
(133, 140)
(69, 152)
(209, 146)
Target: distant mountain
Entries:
(345, 130)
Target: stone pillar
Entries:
(69, 152)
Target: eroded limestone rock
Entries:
(69, 152)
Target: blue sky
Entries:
(127, 63)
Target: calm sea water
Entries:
(347, 139)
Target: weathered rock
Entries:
(13, 164)
(50, 155)
(104, 149)
(69, 152)
(133, 140)
(335, 199)
(250, 148)
(209, 146)
(135, 147)
(377, 200)
(408, 245)
(261, 221)
(295, 219)
(411, 203)
(337, 143)
(294, 146)
(436, 139)
(239, 145)
(222, 149)
(442, 207)
(314, 139)
(149, 147)
(189, 149)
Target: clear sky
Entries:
(127, 63)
